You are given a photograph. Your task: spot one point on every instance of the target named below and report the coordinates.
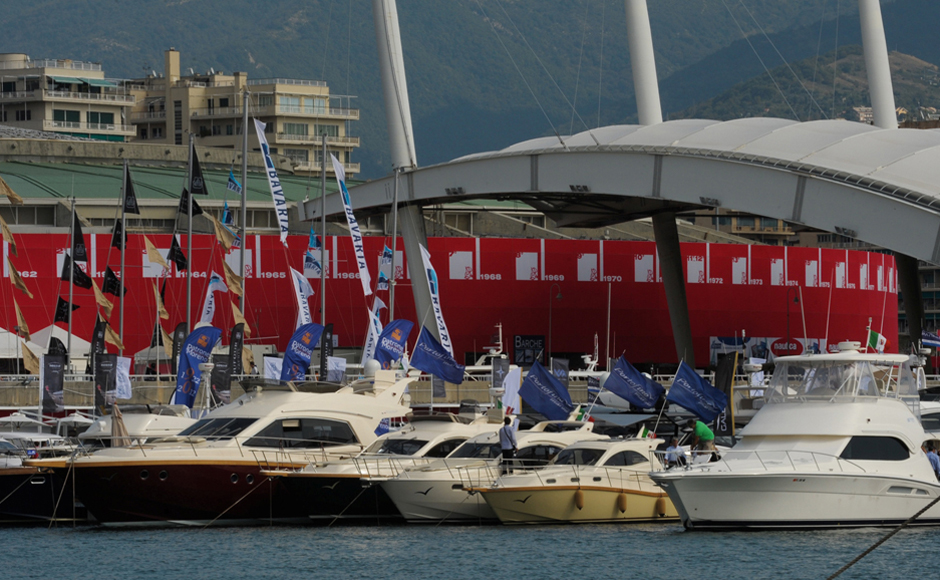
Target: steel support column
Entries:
(670, 257)
(909, 281)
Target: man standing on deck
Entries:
(933, 457)
(703, 439)
(507, 443)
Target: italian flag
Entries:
(877, 341)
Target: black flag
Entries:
(235, 349)
(80, 278)
(220, 380)
(560, 370)
(78, 241)
(53, 380)
(56, 347)
(117, 239)
(112, 284)
(326, 349)
(105, 379)
(197, 184)
(97, 342)
(62, 310)
(184, 200)
(130, 198)
(176, 255)
(724, 378)
(179, 337)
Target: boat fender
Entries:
(622, 502)
(579, 499)
(661, 507)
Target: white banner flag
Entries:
(302, 291)
(354, 232)
(216, 284)
(123, 378)
(375, 329)
(434, 287)
(277, 193)
(272, 367)
(512, 383)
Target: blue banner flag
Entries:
(432, 358)
(233, 184)
(228, 218)
(314, 243)
(696, 394)
(196, 349)
(383, 282)
(299, 350)
(930, 339)
(386, 256)
(311, 265)
(384, 426)
(628, 383)
(391, 343)
(546, 394)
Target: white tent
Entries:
(10, 344)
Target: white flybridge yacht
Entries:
(211, 471)
(436, 492)
(837, 444)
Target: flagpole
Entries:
(391, 282)
(189, 233)
(71, 280)
(323, 235)
(244, 192)
(123, 250)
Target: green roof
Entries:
(68, 80)
(99, 82)
(64, 180)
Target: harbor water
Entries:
(491, 553)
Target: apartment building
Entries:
(170, 106)
(69, 97)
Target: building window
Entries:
(9, 87)
(296, 129)
(535, 220)
(265, 100)
(178, 122)
(101, 118)
(459, 221)
(24, 115)
(223, 102)
(3, 116)
(217, 129)
(745, 222)
(768, 223)
(157, 132)
(300, 156)
(229, 129)
(328, 130)
(36, 215)
(143, 132)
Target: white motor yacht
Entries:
(437, 491)
(348, 489)
(211, 471)
(837, 444)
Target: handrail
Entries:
(766, 460)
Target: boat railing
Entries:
(385, 466)
(483, 475)
(750, 460)
(612, 476)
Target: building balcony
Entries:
(67, 96)
(279, 81)
(149, 117)
(276, 110)
(315, 166)
(316, 140)
(103, 128)
(736, 229)
(51, 63)
(318, 112)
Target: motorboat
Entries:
(211, 471)
(32, 495)
(347, 490)
(436, 492)
(837, 444)
(588, 482)
(143, 424)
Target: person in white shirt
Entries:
(507, 443)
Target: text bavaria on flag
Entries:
(430, 357)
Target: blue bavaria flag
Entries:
(546, 394)
(299, 350)
(384, 426)
(233, 184)
(196, 349)
(314, 243)
(391, 344)
(383, 282)
(311, 263)
(930, 339)
(696, 394)
(228, 218)
(628, 383)
(386, 256)
(432, 358)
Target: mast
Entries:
(189, 233)
(244, 191)
(323, 234)
(71, 280)
(391, 281)
(123, 251)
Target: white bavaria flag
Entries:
(277, 192)
(435, 289)
(375, 329)
(216, 284)
(354, 232)
(512, 383)
(302, 291)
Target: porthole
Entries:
(144, 474)
(250, 479)
(234, 478)
(163, 475)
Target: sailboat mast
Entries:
(71, 278)
(391, 281)
(189, 232)
(123, 251)
(244, 193)
(323, 234)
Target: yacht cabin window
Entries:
(444, 448)
(218, 429)
(875, 449)
(304, 433)
(482, 450)
(578, 456)
(792, 381)
(538, 454)
(625, 458)
(390, 446)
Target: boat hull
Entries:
(30, 495)
(329, 499)
(795, 500)
(436, 500)
(542, 505)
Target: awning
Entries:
(99, 82)
(67, 80)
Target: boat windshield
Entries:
(396, 446)
(485, 450)
(801, 380)
(221, 428)
(578, 456)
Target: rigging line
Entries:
(835, 59)
(326, 41)
(789, 68)
(518, 70)
(577, 81)
(754, 50)
(822, 20)
(600, 71)
(574, 111)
